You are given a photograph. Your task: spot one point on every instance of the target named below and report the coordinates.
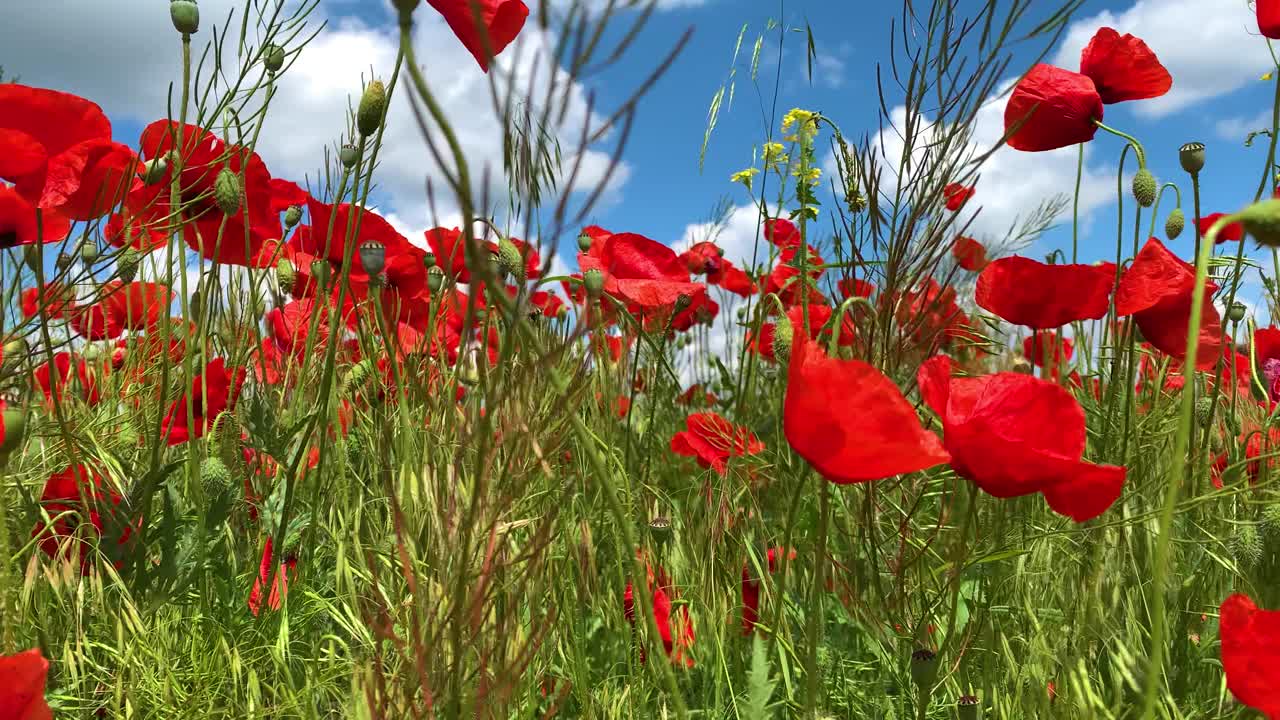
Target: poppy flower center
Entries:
(1271, 371)
(8, 236)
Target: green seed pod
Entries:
(429, 260)
(594, 281)
(127, 264)
(15, 430)
(292, 216)
(15, 350)
(1237, 312)
(1191, 156)
(372, 105)
(185, 15)
(373, 257)
(435, 278)
(683, 302)
(273, 58)
(924, 668)
(510, 261)
(968, 708)
(1174, 225)
(63, 262)
(1246, 545)
(215, 476)
(660, 529)
(406, 8)
(348, 155)
(227, 191)
(783, 334)
(1262, 221)
(33, 256)
(584, 242)
(89, 253)
(286, 276)
(154, 169)
(1145, 187)
(320, 272)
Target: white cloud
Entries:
(1211, 47)
(1237, 127)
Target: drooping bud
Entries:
(742, 314)
(215, 476)
(292, 216)
(348, 155)
(185, 15)
(1174, 225)
(435, 278)
(372, 105)
(1191, 156)
(154, 169)
(63, 262)
(1236, 312)
(1145, 187)
(89, 252)
(373, 257)
(320, 271)
(783, 334)
(15, 430)
(1246, 545)
(1204, 409)
(286, 276)
(127, 264)
(584, 242)
(510, 260)
(924, 668)
(683, 302)
(1262, 221)
(195, 304)
(593, 279)
(968, 708)
(32, 256)
(227, 191)
(429, 260)
(273, 58)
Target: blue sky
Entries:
(1209, 45)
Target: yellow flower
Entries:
(809, 175)
(805, 124)
(773, 154)
(745, 176)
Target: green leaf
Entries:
(759, 687)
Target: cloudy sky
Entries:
(124, 54)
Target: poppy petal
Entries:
(1026, 292)
(1122, 67)
(1052, 108)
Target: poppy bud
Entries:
(373, 257)
(320, 271)
(227, 191)
(1262, 221)
(968, 708)
(782, 336)
(348, 155)
(742, 314)
(154, 169)
(32, 256)
(286, 276)
(89, 252)
(214, 476)
(683, 302)
(185, 15)
(593, 279)
(1271, 520)
(356, 377)
(1204, 408)
(15, 429)
(1174, 225)
(1237, 312)
(429, 260)
(924, 668)
(510, 260)
(195, 304)
(1191, 156)
(15, 350)
(406, 8)
(1022, 365)
(435, 278)
(292, 216)
(584, 242)
(372, 105)
(273, 58)
(63, 262)
(1145, 187)
(468, 372)
(1246, 544)
(127, 264)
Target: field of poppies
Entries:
(263, 455)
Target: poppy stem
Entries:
(814, 629)
(1137, 146)
(1075, 207)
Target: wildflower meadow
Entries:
(270, 450)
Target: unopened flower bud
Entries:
(63, 262)
(1204, 410)
(292, 216)
(33, 256)
(273, 58)
(406, 8)
(1262, 221)
(1191, 156)
(1145, 187)
(1022, 365)
(511, 261)
(372, 105)
(1246, 545)
(373, 257)
(185, 15)
(348, 155)
(1174, 225)
(593, 279)
(15, 350)
(320, 272)
(215, 476)
(127, 264)
(15, 430)
(783, 334)
(584, 242)
(227, 191)
(154, 169)
(924, 668)
(286, 276)
(1236, 312)
(435, 278)
(683, 302)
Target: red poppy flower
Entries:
(1266, 345)
(74, 497)
(1156, 290)
(1026, 292)
(675, 629)
(712, 440)
(957, 195)
(732, 278)
(1013, 435)
(124, 229)
(58, 300)
(1231, 232)
(785, 281)
(290, 324)
(485, 27)
(22, 695)
(18, 224)
(969, 254)
(645, 273)
(62, 363)
(781, 232)
(1251, 651)
(1122, 68)
(933, 317)
(818, 317)
(1047, 349)
(123, 306)
(882, 439)
(696, 394)
(1052, 108)
(280, 585)
(450, 251)
(852, 287)
(751, 588)
(212, 392)
(702, 258)
(1269, 18)
(286, 194)
(548, 303)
